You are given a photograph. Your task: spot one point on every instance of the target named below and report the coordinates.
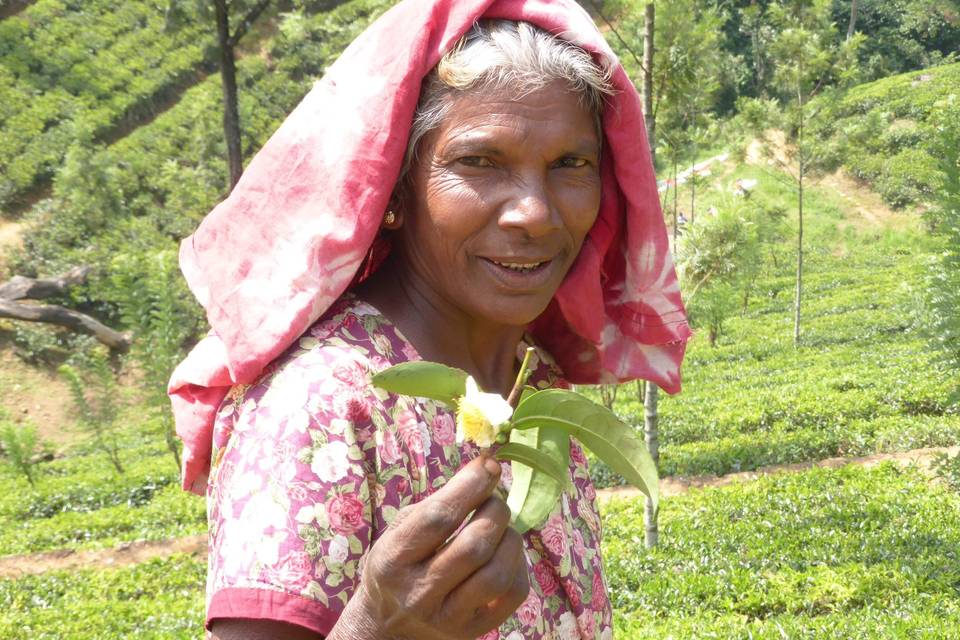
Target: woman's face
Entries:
(501, 199)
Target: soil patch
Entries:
(37, 396)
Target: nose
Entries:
(530, 209)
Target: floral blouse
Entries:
(312, 463)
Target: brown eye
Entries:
(475, 161)
(571, 162)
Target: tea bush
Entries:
(158, 599)
(71, 74)
(80, 502)
(885, 132)
(852, 553)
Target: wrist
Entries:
(359, 620)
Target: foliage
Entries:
(158, 599)
(902, 35)
(943, 282)
(80, 72)
(142, 194)
(150, 295)
(74, 504)
(852, 553)
(94, 390)
(866, 381)
(21, 446)
(886, 133)
(947, 467)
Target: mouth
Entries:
(520, 275)
(520, 267)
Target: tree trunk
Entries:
(852, 26)
(55, 314)
(648, 114)
(676, 195)
(228, 77)
(801, 171)
(20, 287)
(651, 436)
(693, 186)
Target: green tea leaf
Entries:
(536, 459)
(596, 428)
(534, 493)
(424, 379)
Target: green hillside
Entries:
(883, 132)
(71, 76)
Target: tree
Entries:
(650, 415)
(93, 386)
(809, 57)
(20, 288)
(21, 446)
(714, 257)
(242, 13)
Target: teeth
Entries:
(516, 266)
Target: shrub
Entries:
(21, 446)
(94, 389)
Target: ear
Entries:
(393, 216)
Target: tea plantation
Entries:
(854, 553)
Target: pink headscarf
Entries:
(288, 241)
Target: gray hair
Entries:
(503, 54)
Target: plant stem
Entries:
(522, 376)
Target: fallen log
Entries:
(55, 314)
(21, 287)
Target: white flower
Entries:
(331, 462)
(568, 627)
(339, 549)
(480, 415)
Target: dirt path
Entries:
(129, 553)
(10, 231)
(134, 552)
(675, 486)
(867, 209)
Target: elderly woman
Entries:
(518, 208)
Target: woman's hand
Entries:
(418, 584)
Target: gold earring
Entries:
(389, 218)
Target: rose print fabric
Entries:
(311, 463)
(300, 225)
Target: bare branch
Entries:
(20, 287)
(54, 314)
(247, 21)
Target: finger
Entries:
(496, 588)
(495, 613)
(471, 548)
(428, 524)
